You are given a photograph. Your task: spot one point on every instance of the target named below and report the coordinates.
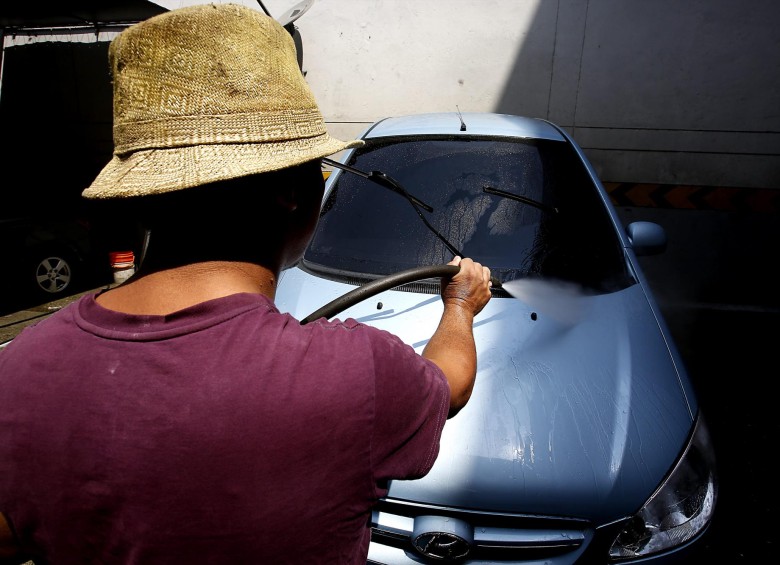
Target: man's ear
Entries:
(287, 198)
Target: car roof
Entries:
(476, 124)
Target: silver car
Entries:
(583, 441)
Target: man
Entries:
(180, 417)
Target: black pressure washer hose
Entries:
(375, 287)
(390, 281)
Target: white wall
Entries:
(656, 91)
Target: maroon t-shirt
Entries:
(223, 433)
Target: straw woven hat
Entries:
(207, 93)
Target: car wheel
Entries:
(53, 274)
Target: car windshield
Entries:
(551, 223)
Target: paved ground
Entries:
(718, 289)
(15, 316)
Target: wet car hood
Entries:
(574, 416)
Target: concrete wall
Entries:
(655, 91)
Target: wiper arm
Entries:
(381, 179)
(523, 199)
(387, 181)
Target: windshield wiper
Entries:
(523, 199)
(387, 181)
(381, 179)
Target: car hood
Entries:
(578, 416)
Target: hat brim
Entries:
(156, 171)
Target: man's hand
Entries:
(469, 288)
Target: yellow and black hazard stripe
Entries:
(693, 197)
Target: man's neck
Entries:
(166, 291)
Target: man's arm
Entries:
(452, 345)
(9, 550)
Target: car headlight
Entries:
(680, 509)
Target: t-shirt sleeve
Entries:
(412, 400)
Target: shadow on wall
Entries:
(656, 92)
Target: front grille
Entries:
(497, 536)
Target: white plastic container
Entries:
(122, 265)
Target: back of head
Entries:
(241, 219)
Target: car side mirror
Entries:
(646, 238)
(287, 19)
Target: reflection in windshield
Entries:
(544, 220)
